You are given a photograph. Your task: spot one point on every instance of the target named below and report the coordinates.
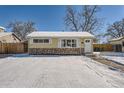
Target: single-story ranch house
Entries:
(60, 42)
(118, 44)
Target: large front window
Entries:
(68, 43)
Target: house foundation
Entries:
(56, 51)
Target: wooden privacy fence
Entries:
(13, 48)
(102, 47)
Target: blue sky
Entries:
(51, 18)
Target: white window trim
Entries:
(50, 40)
(77, 42)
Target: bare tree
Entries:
(84, 20)
(116, 30)
(21, 29)
(71, 19)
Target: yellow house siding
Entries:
(122, 45)
(53, 43)
(81, 42)
(116, 42)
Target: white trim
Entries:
(77, 42)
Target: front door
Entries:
(87, 46)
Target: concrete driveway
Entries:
(55, 71)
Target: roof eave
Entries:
(61, 36)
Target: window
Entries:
(46, 40)
(87, 41)
(68, 43)
(35, 40)
(41, 41)
(123, 43)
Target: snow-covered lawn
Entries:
(56, 71)
(114, 56)
(109, 53)
(119, 59)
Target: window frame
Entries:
(35, 40)
(41, 39)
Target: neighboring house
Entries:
(60, 43)
(118, 44)
(8, 37)
(2, 29)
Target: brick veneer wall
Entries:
(43, 51)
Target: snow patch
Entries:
(118, 59)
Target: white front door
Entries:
(87, 46)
